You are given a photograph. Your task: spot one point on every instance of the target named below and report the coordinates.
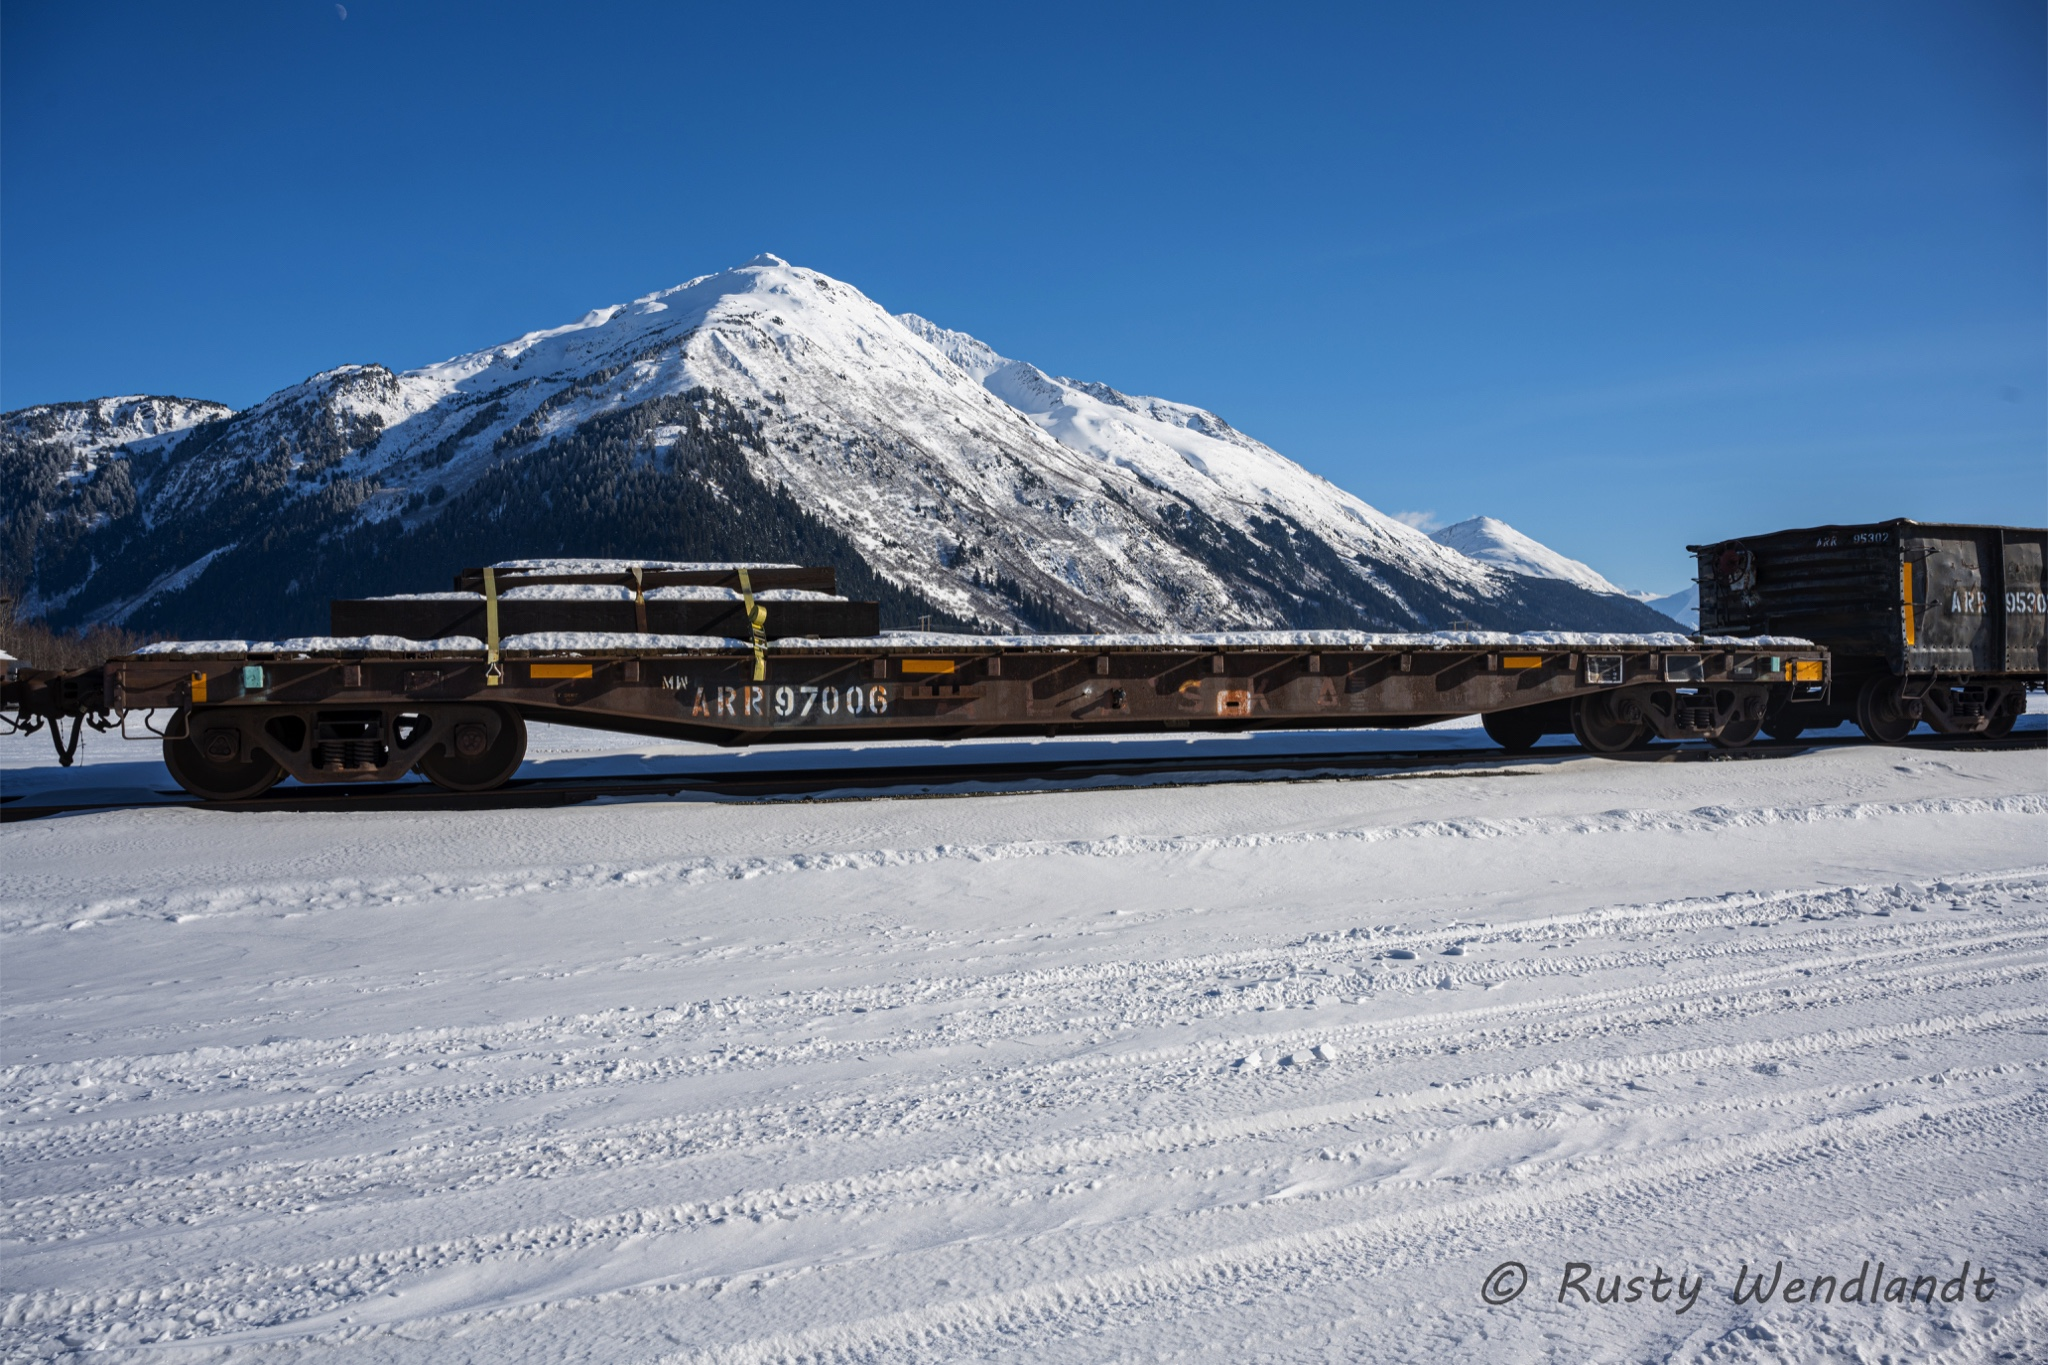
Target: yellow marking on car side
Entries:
(1906, 596)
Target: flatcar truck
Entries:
(1923, 622)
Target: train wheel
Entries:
(1516, 731)
(213, 763)
(469, 760)
(1881, 713)
(1999, 725)
(1737, 733)
(1599, 729)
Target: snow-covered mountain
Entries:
(1682, 607)
(1496, 542)
(1227, 475)
(64, 469)
(1492, 541)
(94, 429)
(767, 412)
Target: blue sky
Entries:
(1626, 275)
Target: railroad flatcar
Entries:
(444, 683)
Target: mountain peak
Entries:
(1492, 541)
(764, 411)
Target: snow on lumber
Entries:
(605, 592)
(455, 596)
(1300, 639)
(598, 641)
(626, 566)
(566, 592)
(319, 644)
(935, 640)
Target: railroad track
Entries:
(914, 779)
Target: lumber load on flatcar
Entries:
(612, 595)
(453, 703)
(1941, 623)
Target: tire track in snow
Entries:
(360, 892)
(1890, 965)
(304, 1294)
(1042, 1306)
(929, 1107)
(953, 1175)
(2019, 1332)
(1690, 914)
(1720, 994)
(191, 1070)
(1264, 1265)
(1366, 1046)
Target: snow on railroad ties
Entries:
(966, 1078)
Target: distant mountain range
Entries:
(1682, 606)
(765, 412)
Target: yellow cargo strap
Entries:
(757, 619)
(494, 672)
(639, 602)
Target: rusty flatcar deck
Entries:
(930, 685)
(372, 709)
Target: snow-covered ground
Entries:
(1253, 1070)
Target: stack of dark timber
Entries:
(616, 597)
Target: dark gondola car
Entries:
(1924, 622)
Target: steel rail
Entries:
(907, 780)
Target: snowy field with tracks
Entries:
(1251, 1070)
